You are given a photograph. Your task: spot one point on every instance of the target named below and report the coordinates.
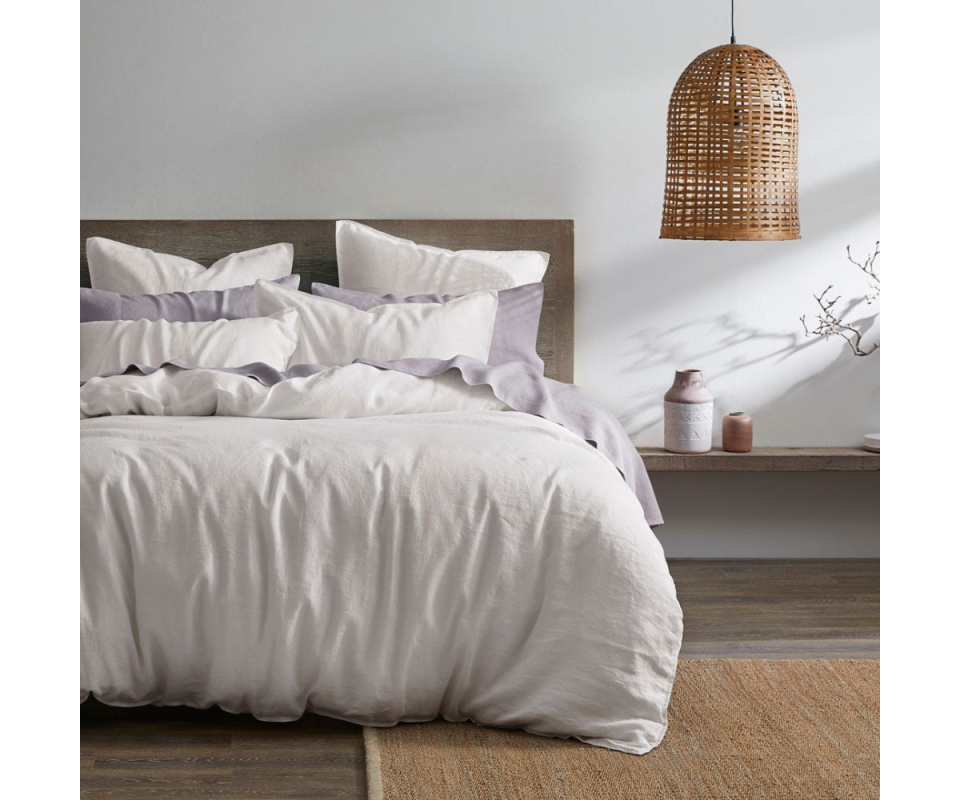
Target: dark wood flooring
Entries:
(779, 609)
(732, 609)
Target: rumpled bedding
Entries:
(376, 543)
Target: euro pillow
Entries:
(514, 329)
(371, 261)
(336, 334)
(122, 268)
(113, 345)
(97, 305)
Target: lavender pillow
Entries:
(514, 329)
(97, 305)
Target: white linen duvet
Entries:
(368, 545)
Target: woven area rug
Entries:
(738, 730)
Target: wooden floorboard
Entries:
(732, 609)
(779, 609)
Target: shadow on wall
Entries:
(662, 351)
(796, 413)
(847, 390)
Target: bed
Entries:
(378, 543)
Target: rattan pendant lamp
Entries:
(732, 149)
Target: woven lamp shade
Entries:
(732, 150)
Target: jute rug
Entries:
(768, 730)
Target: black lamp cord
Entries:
(733, 35)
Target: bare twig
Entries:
(830, 324)
(867, 267)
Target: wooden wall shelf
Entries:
(764, 459)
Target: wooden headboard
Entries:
(315, 255)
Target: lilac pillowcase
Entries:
(97, 305)
(514, 330)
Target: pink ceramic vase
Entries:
(687, 414)
(738, 432)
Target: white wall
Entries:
(519, 108)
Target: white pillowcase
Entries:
(122, 268)
(335, 334)
(111, 346)
(371, 261)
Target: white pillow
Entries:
(122, 268)
(335, 334)
(371, 261)
(111, 346)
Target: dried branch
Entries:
(867, 267)
(830, 323)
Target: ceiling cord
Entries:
(733, 35)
